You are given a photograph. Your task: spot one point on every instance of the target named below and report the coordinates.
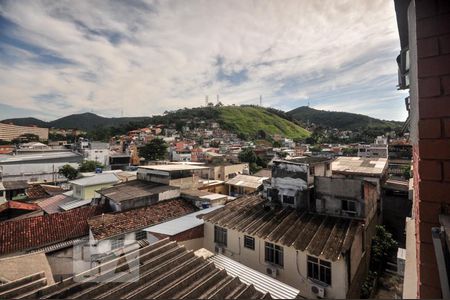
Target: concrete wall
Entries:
(293, 273)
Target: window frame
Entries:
(290, 197)
(274, 254)
(220, 235)
(319, 270)
(138, 233)
(348, 206)
(249, 238)
(117, 242)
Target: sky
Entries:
(141, 58)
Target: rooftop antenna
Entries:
(308, 102)
(206, 100)
(260, 100)
(217, 98)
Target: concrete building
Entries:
(112, 231)
(86, 188)
(424, 69)
(136, 193)
(37, 167)
(180, 175)
(244, 184)
(224, 171)
(97, 151)
(318, 255)
(9, 132)
(292, 180)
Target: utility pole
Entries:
(260, 100)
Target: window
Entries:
(220, 235)
(141, 235)
(1, 193)
(288, 199)
(349, 205)
(274, 254)
(249, 242)
(319, 270)
(311, 170)
(328, 167)
(117, 243)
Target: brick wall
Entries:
(432, 152)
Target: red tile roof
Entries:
(36, 191)
(30, 233)
(18, 205)
(114, 224)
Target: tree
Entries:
(68, 171)
(90, 166)
(383, 246)
(247, 155)
(155, 150)
(277, 144)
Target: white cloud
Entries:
(149, 57)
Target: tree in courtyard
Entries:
(68, 171)
(90, 166)
(156, 149)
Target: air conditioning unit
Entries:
(219, 249)
(318, 291)
(272, 271)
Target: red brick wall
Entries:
(432, 153)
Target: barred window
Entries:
(249, 242)
(220, 235)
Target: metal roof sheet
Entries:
(260, 281)
(181, 224)
(96, 179)
(74, 204)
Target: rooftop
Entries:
(359, 166)
(31, 233)
(134, 189)
(36, 191)
(307, 160)
(246, 181)
(261, 282)
(18, 205)
(7, 159)
(174, 167)
(51, 205)
(181, 224)
(15, 185)
(319, 235)
(113, 224)
(166, 271)
(96, 179)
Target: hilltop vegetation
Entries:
(340, 120)
(246, 121)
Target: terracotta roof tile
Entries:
(18, 205)
(36, 191)
(30, 233)
(113, 224)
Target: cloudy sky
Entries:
(144, 57)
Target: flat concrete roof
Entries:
(358, 165)
(173, 168)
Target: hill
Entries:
(26, 122)
(84, 121)
(246, 121)
(340, 120)
(251, 120)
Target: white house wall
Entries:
(293, 273)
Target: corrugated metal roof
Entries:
(261, 282)
(181, 224)
(74, 204)
(96, 179)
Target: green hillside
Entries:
(249, 120)
(340, 120)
